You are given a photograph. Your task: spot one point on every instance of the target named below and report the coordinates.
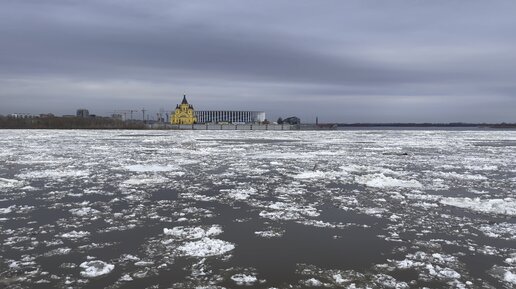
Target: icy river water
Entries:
(250, 209)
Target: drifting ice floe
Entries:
(7, 210)
(54, 174)
(243, 279)
(151, 168)
(505, 231)
(454, 175)
(286, 211)
(505, 274)
(75, 234)
(6, 184)
(205, 247)
(270, 233)
(509, 277)
(144, 181)
(192, 233)
(494, 206)
(312, 175)
(85, 211)
(381, 181)
(241, 194)
(96, 268)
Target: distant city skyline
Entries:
(343, 61)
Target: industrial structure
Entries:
(81, 112)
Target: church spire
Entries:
(184, 113)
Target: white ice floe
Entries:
(457, 176)
(432, 264)
(447, 273)
(482, 167)
(387, 281)
(7, 210)
(280, 215)
(20, 209)
(85, 211)
(506, 274)
(312, 175)
(505, 206)
(242, 194)
(270, 233)
(151, 168)
(53, 174)
(6, 184)
(363, 169)
(95, 268)
(420, 195)
(244, 279)
(509, 277)
(75, 234)
(425, 205)
(128, 257)
(126, 278)
(337, 278)
(143, 263)
(205, 247)
(377, 212)
(317, 174)
(138, 181)
(288, 211)
(407, 264)
(382, 181)
(505, 231)
(197, 197)
(312, 282)
(58, 251)
(192, 233)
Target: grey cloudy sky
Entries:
(345, 61)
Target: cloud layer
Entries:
(346, 61)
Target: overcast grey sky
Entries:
(344, 61)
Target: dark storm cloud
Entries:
(344, 61)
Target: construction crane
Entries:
(125, 112)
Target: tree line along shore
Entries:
(55, 122)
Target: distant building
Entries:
(116, 116)
(20, 115)
(293, 120)
(229, 116)
(83, 112)
(184, 113)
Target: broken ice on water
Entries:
(257, 209)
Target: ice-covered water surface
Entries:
(229, 209)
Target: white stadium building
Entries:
(229, 116)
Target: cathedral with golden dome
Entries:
(184, 113)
